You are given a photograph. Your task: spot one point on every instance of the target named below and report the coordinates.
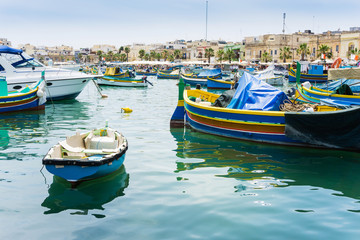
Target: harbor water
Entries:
(175, 183)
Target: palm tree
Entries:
(171, 58)
(165, 54)
(285, 53)
(158, 56)
(121, 49)
(325, 49)
(141, 54)
(152, 55)
(99, 53)
(127, 50)
(109, 56)
(209, 52)
(220, 55)
(229, 55)
(122, 57)
(177, 54)
(80, 57)
(303, 50)
(147, 57)
(266, 57)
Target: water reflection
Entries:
(260, 166)
(86, 196)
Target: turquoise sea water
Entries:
(175, 183)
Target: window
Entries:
(275, 52)
(314, 50)
(271, 52)
(337, 48)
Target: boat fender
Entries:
(126, 110)
(306, 84)
(40, 93)
(309, 109)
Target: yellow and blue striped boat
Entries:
(304, 77)
(309, 129)
(28, 98)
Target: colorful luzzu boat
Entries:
(309, 93)
(29, 98)
(87, 156)
(325, 127)
(114, 76)
(308, 77)
(193, 81)
(168, 75)
(219, 84)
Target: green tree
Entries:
(121, 49)
(220, 55)
(127, 51)
(80, 56)
(100, 54)
(171, 58)
(152, 55)
(325, 49)
(122, 57)
(165, 54)
(141, 54)
(266, 57)
(109, 56)
(147, 57)
(158, 56)
(229, 55)
(177, 54)
(303, 50)
(285, 53)
(209, 52)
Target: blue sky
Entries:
(81, 23)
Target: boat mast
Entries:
(206, 20)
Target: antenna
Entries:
(284, 16)
(206, 20)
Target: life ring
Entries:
(336, 63)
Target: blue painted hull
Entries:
(74, 173)
(213, 84)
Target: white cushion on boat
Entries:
(98, 142)
(69, 148)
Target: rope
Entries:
(289, 106)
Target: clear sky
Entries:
(83, 23)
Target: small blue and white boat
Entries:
(87, 156)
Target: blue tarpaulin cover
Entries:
(210, 72)
(254, 94)
(354, 85)
(6, 49)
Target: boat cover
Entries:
(354, 85)
(210, 72)
(6, 49)
(254, 94)
(349, 73)
(335, 129)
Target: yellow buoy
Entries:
(127, 110)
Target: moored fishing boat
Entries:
(315, 75)
(205, 74)
(251, 116)
(168, 75)
(193, 81)
(219, 84)
(312, 94)
(29, 98)
(122, 82)
(87, 156)
(114, 76)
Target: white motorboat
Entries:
(20, 70)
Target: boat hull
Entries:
(219, 84)
(313, 78)
(274, 127)
(121, 82)
(194, 81)
(163, 75)
(73, 173)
